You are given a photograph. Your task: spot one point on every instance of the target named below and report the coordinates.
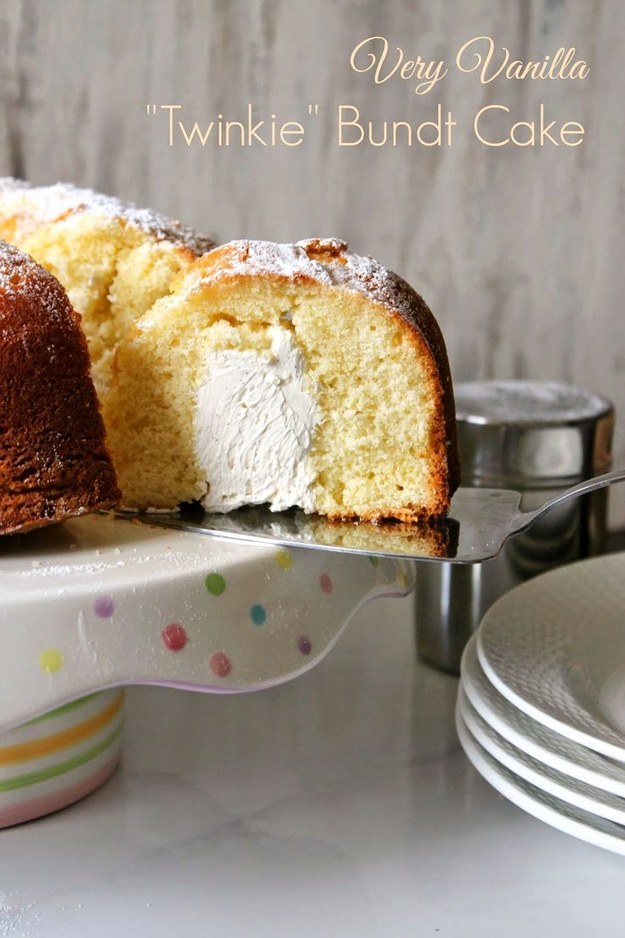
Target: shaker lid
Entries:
(515, 433)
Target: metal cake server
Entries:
(479, 523)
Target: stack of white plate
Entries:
(541, 705)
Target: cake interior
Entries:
(370, 380)
(126, 273)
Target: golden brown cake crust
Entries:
(328, 261)
(53, 458)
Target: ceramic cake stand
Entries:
(95, 604)
(100, 602)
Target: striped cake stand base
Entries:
(60, 757)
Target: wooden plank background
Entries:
(519, 251)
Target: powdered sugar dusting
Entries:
(368, 276)
(50, 203)
(260, 259)
(18, 272)
(317, 260)
(21, 278)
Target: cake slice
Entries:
(54, 463)
(288, 374)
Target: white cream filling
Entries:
(254, 424)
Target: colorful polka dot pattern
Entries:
(51, 660)
(304, 645)
(284, 560)
(215, 584)
(104, 607)
(258, 614)
(174, 636)
(220, 664)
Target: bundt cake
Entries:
(257, 372)
(54, 463)
(290, 375)
(113, 259)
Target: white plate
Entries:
(531, 737)
(545, 807)
(573, 792)
(97, 602)
(555, 647)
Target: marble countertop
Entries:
(337, 805)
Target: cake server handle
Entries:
(522, 520)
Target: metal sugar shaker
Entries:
(538, 438)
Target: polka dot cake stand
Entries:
(102, 602)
